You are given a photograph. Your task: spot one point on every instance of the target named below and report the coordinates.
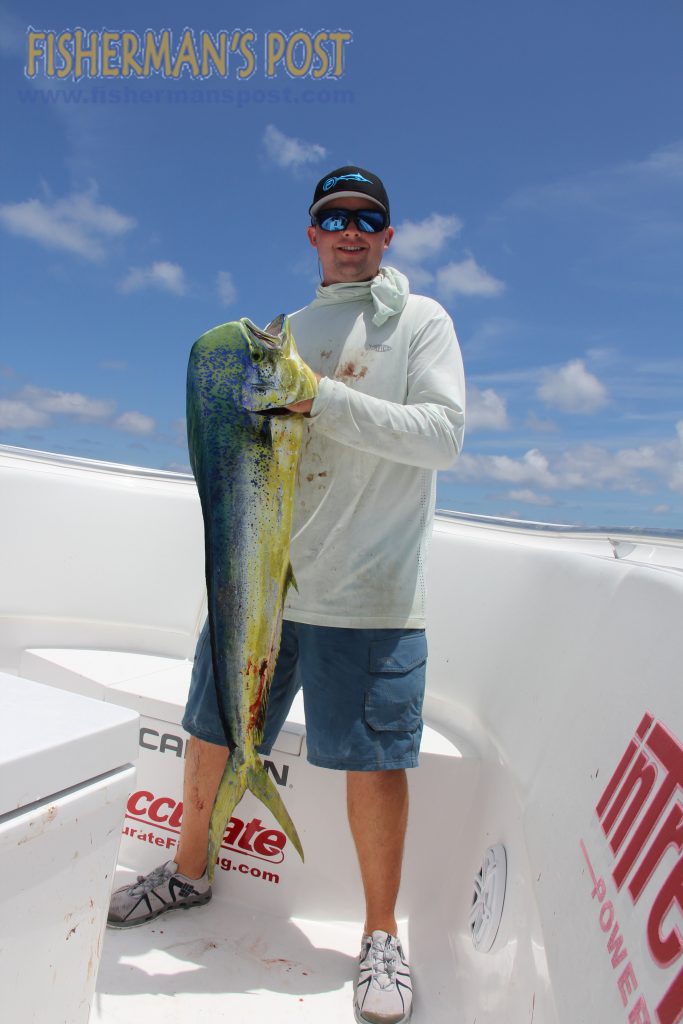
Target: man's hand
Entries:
(305, 406)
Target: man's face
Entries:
(352, 254)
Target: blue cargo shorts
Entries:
(363, 692)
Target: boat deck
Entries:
(228, 963)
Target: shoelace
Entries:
(384, 957)
(147, 882)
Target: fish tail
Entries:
(262, 786)
(230, 792)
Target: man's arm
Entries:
(427, 430)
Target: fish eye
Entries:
(257, 355)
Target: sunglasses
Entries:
(369, 221)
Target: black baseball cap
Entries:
(347, 182)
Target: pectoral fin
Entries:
(290, 581)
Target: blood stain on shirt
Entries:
(348, 370)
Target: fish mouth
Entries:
(277, 410)
(270, 336)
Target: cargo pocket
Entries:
(393, 701)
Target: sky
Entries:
(533, 155)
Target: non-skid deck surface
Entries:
(222, 963)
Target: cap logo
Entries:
(331, 182)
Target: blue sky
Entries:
(533, 155)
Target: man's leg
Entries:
(162, 889)
(378, 814)
(204, 767)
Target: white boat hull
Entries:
(546, 651)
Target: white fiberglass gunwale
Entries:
(666, 537)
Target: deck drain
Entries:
(488, 898)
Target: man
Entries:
(389, 412)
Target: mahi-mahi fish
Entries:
(244, 458)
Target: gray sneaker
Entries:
(161, 890)
(384, 992)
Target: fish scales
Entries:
(244, 461)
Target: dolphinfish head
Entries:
(275, 374)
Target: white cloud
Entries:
(533, 468)
(288, 152)
(227, 292)
(667, 161)
(419, 277)
(486, 410)
(169, 277)
(582, 467)
(134, 423)
(69, 403)
(590, 465)
(618, 190)
(534, 422)
(418, 241)
(489, 336)
(572, 389)
(179, 428)
(15, 415)
(35, 407)
(113, 364)
(77, 223)
(414, 242)
(530, 497)
(466, 278)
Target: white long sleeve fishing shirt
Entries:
(390, 412)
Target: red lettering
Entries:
(155, 807)
(638, 785)
(177, 816)
(669, 753)
(604, 800)
(269, 843)
(235, 826)
(135, 799)
(254, 826)
(666, 950)
(614, 944)
(670, 1010)
(639, 1013)
(670, 834)
(627, 983)
(606, 919)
